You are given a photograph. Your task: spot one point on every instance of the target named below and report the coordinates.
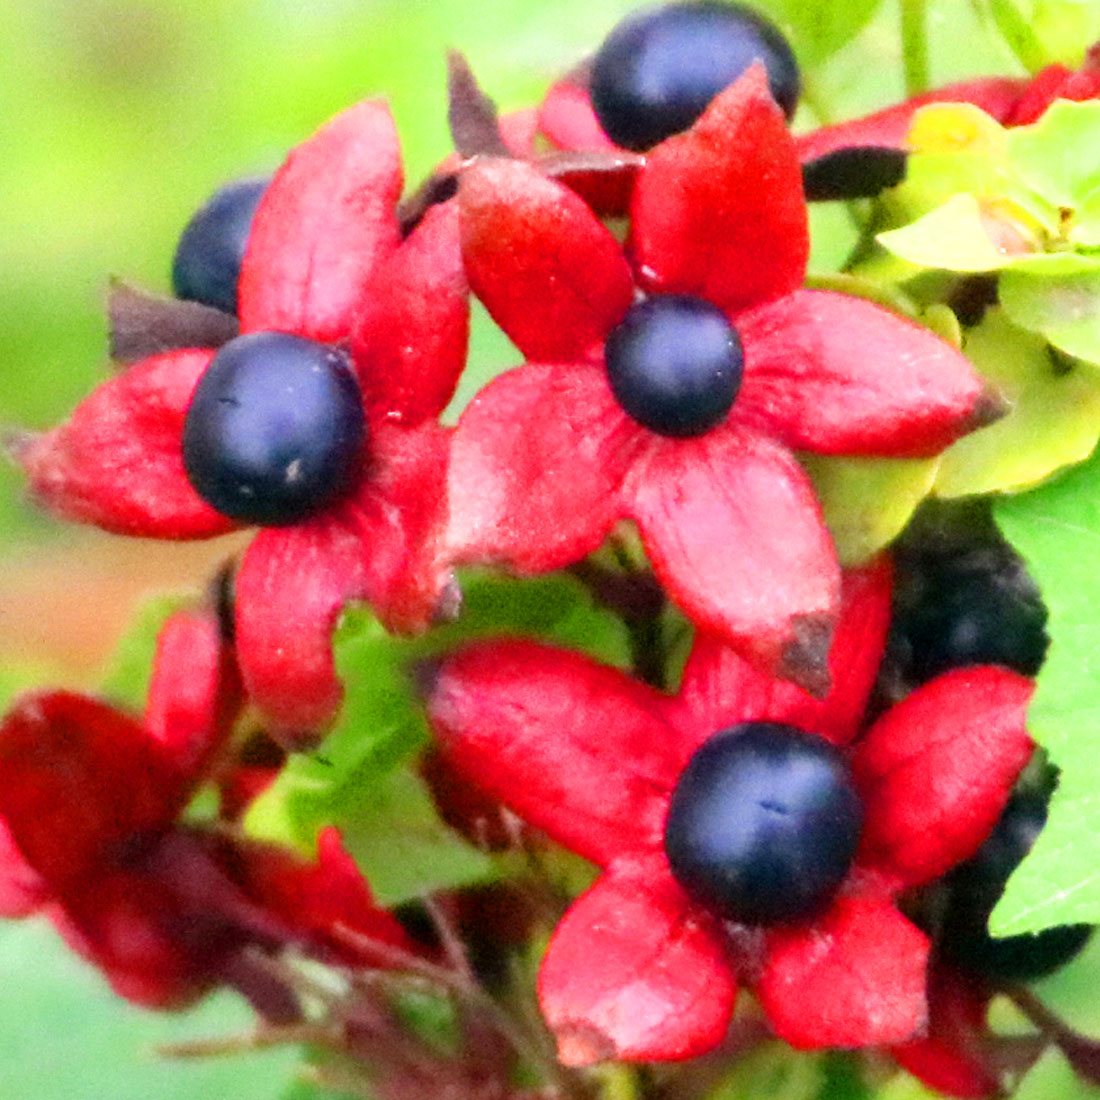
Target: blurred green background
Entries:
(119, 117)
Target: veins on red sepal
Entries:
(591, 757)
(717, 214)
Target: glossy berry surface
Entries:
(275, 429)
(763, 824)
(207, 263)
(657, 71)
(976, 886)
(973, 609)
(675, 364)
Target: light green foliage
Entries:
(771, 1071)
(1053, 418)
(819, 28)
(867, 501)
(388, 821)
(1057, 529)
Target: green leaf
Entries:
(867, 501)
(1056, 156)
(350, 781)
(958, 236)
(773, 1070)
(1053, 420)
(401, 845)
(127, 681)
(1057, 530)
(1066, 28)
(1063, 308)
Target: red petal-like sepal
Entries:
(936, 770)
(323, 226)
(22, 888)
(718, 210)
(537, 463)
(720, 689)
(735, 535)
(567, 119)
(840, 375)
(997, 96)
(1054, 82)
(77, 778)
(409, 344)
(636, 972)
(118, 463)
(550, 274)
(194, 694)
(856, 977)
(383, 545)
(576, 748)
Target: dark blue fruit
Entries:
(859, 172)
(763, 824)
(976, 886)
(971, 610)
(657, 71)
(275, 429)
(675, 363)
(208, 257)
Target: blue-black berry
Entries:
(208, 257)
(275, 429)
(763, 824)
(657, 71)
(975, 887)
(675, 364)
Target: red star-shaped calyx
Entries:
(637, 969)
(89, 801)
(545, 460)
(325, 261)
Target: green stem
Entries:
(1020, 37)
(620, 1082)
(914, 42)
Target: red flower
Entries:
(1011, 101)
(637, 969)
(89, 800)
(325, 261)
(545, 460)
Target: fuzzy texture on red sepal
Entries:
(409, 343)
(382, 545)
(545, 460)
(634, 971)
(858, 971)
(997, 96)
(699, 223)
(695, 499)
(967, 765)
(118, 463)
(89, 801)
(323, 226)
(591, 757)
(521, 233)
(816, 378)
(324, 262)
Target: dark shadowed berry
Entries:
(976, 886)
(978, 607)
(860, 172)
(209, 254)
(657, 71)
(275, 428)
(674, 363)
(764, 823)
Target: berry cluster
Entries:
(788, 817)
